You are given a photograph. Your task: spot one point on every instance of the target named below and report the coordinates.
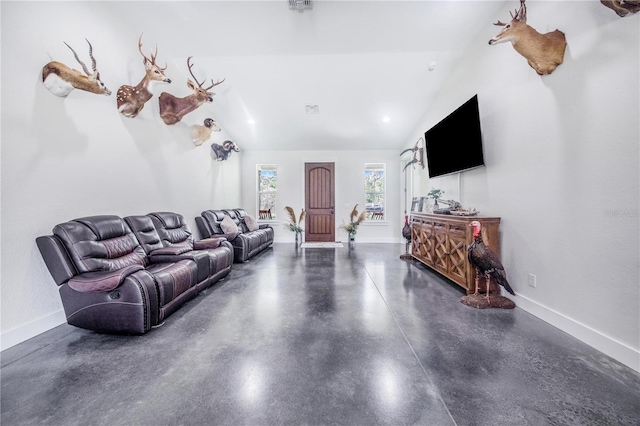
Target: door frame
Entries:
(332, 236)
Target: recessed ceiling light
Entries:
(251, 121)
(313, 109)
(386, 119)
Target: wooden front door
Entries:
(320, 202)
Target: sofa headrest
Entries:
(172, 229)
(169, 220)
(213, 216)
(145, 232)
(100, 243)
(105, 227)
(231, 213)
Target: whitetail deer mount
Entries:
(61, 80)
(544, 52)
(172, 109)
(201, 134)
(131, 99)
(622, 7)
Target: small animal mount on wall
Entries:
(623, 7)
(61, 80)
(418, 155)
(221, 153)
(172, 109)
(544, 52)
(201, 134)
(131, 99)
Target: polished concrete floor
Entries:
(315, 337)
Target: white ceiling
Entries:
(359, 61)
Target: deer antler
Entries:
(215, 84)
(84, 67)
(521, 15)
(499, 23)
(191, 72)
(200, 84)
(151, 61)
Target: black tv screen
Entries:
(455, 143)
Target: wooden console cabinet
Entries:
(440, 242)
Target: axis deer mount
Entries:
(61, 80)
(544, 52)
(173, 109)
(131, 99)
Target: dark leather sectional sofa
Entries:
(127, 275)
(246, 244)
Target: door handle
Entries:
(331, 210)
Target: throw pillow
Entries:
(229, 226)
(251, 223)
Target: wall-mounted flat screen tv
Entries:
(455, 143)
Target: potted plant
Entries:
(435, 194)
(294, 224)
(355, 219)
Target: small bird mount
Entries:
(418, 155)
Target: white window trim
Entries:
(258, 193)
(384, 220)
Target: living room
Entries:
(562, 163)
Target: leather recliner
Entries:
(165, 237)
(109, 283)
(246, 244)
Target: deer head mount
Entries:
(622, 7)
(131, 99)
(544, 52)
(61, 80)
(172, 109)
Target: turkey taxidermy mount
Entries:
(488, 265)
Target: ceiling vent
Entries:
(300, 5)
(313, 109)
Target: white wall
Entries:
(349, 189)
(68, 158)
(562, 170)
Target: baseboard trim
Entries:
(345, 240)
(25, 332)
(605, 344)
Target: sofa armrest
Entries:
(208, 243)
(56, 258)
(102, 280)
(264, 226)
(170, 251)
(228, 237)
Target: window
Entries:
(374, 187)
(267, 185)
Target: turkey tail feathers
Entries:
(501, 278)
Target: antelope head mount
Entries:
(131, 99)
(61, 80)
(544, 52)
(172, 109)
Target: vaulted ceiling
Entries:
(359, 61)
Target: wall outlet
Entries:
(532, 280)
